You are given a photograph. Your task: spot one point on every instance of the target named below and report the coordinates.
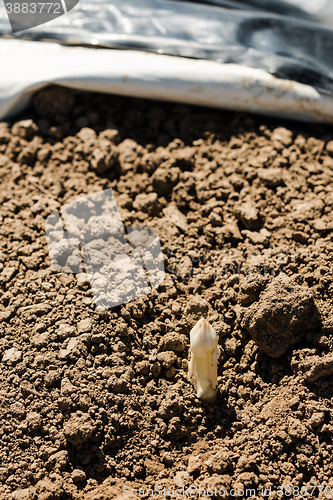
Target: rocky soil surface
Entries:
(96, 403)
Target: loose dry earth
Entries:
(93, 401)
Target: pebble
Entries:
(66, 387)
(82, 280)
(40, 339)
(7, 274)
(65, 352)
(13, 355)
(65, 331)
(78, 475)
(174, 342)
(155, 369)
(84, 326)
(166, 358)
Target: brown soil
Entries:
(244, 211)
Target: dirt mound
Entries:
(281, 317)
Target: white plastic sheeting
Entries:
(272, 35)
(28, 66)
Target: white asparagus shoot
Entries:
(202, 369)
